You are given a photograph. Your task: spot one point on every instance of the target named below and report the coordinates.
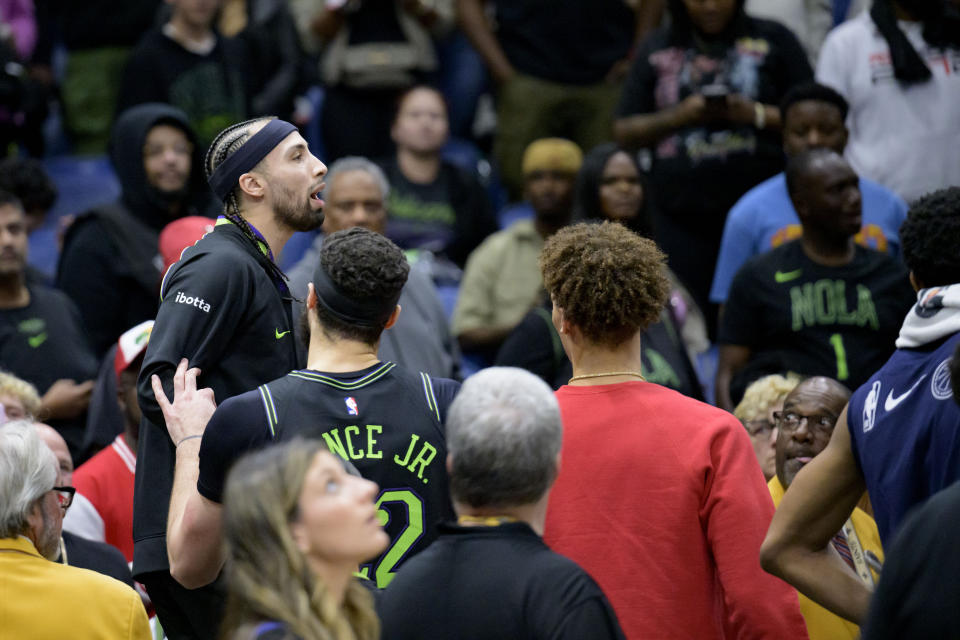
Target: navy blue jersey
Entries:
(905, 431)
(385, 420)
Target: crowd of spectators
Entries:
(560, 286)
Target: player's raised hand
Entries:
(191, 409)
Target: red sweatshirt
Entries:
(660, 498)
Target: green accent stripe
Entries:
(264, 249)
(269, 408)
(370, 378)
(428, 391)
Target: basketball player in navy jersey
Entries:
(896, 438)
(386, 421)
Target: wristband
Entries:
(185, 438)
(759, 115)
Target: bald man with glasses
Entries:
(804, 427)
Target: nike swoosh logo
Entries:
(37, 340)
(891, 402)
(782, 277)
(280, 334)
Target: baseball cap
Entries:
(131, 345)
(552, 154)
(180, 234)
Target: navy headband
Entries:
(365, 313)
(225, 177)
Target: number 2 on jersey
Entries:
(383, 567)
(836, 340)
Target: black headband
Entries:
(366, 313)
(225, 177)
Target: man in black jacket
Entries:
(110, 264)
(224, 306)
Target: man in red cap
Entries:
(104, 508)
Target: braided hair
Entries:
(223, 146)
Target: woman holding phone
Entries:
(702, 95)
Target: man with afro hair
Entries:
(897, 438)
(659, 496)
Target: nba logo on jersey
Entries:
(352, 407)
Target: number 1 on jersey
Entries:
(837, 341)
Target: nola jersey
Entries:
(905, 431)
(385, 420)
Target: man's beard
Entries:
(293, 212)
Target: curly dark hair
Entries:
(609, 281)
(364, 265)
(930, 237)
(28, 180)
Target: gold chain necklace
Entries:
(608, 374)
(484, 521)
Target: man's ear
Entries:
(252, 184)
(311, 296)
(392, 320)
(915, 282)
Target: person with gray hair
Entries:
(87, 604)
(504, 435)
(356, 196)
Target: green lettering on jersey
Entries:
(427, 453)
(354, 447)
(332, 438)
(866, 311)
(349, 432)
(801, 306)
(371, 442)
(413, 441)
(417, 463)
(824, 303)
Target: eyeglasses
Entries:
(790, 421)
(760, 427)
(65, 495)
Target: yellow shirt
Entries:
(822, 624)
(44, 600)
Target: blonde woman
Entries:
(296, 527)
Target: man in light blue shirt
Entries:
(764, 218)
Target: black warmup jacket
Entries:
(222, 310)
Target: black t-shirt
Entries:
(386, 421)
(211, 89)
(535, 346)
(222, 310)
(44, 342)
(572, 42)
(476, 583)
(918, 591)
(449, 216)
(797, 315)
(721, 161)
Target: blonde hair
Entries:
(268, 577)
(763, 394)
(11, 385)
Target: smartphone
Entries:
(715, 95)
